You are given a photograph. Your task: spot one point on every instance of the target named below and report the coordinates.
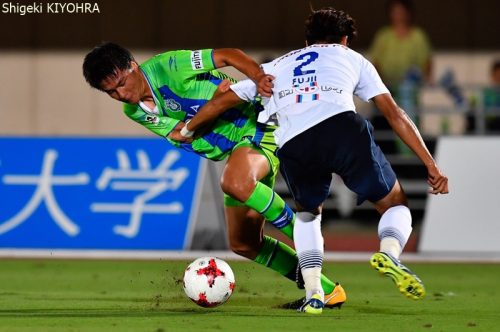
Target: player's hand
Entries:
(222, 87)
(175, 134)
(437, 180)
(265, 85)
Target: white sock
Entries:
(308, 242)
(391, 246)
(394, 229)
(312, 280)
(307, 232)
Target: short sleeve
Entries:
(269, 66)
(246, 90)
(370, 84)
(160, 125)
(186, 64)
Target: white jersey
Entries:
(313, 84)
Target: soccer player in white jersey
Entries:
(320, 133)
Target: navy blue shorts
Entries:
(342, 144)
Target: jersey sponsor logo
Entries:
(309, 88)
(172, 105)
(284, 93)
(304, 80)
(195, 108)
(326, 88)
(196, 60)
(306, 92)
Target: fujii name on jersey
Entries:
(51, 8)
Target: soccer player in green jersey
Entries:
(165, 92)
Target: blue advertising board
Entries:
(96, 193)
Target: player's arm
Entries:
(213, 109)
(234, 95)
(160, 125)
(224, 57)
(408, 132)
(206, 115)
(371, 87)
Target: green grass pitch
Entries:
(60, 295)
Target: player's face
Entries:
(125, 85)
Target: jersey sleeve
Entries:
(246, 90)
(160, 125)
(370, 84)
(186, 64)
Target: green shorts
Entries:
(267, 147)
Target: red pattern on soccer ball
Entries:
(203, 302)
(231, 286)
(211, 271)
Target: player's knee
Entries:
(241, 189)
(395, 197)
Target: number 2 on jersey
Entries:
(308, 58)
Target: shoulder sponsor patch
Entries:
(196, 60)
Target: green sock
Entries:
(269, 204)
(327, 284)
(278, 256)
(283, 259)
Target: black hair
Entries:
(408, 5)
(103, 61)
(329, 25)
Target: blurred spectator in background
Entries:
(401, 49)
(401, 52)
(491, 99)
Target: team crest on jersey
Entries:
(172, 105)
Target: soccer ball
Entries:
(208, 281)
